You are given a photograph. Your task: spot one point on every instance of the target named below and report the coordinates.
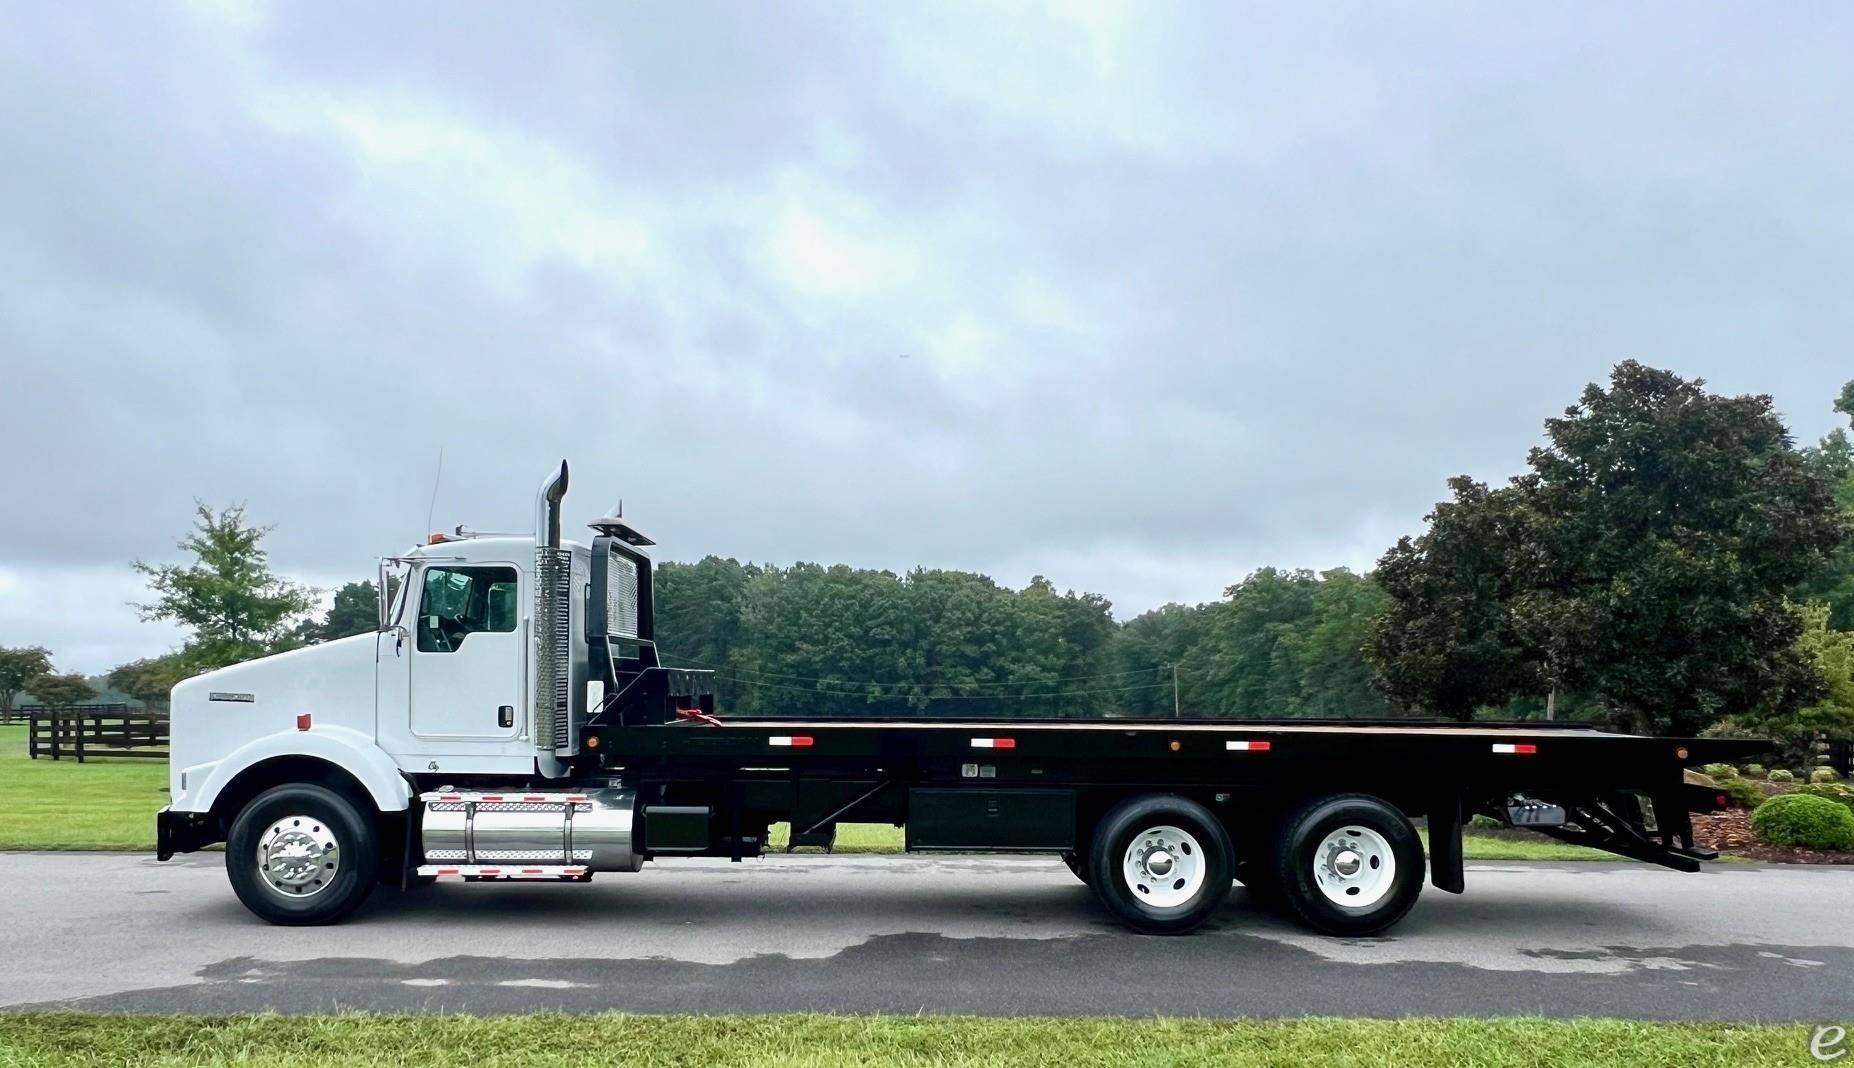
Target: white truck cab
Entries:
(478, 672)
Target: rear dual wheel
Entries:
(1160, 863)
(1349, 864)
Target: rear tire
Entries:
(1349, 864)
(1160, 863)
(302, 854)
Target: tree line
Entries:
(1669, 561)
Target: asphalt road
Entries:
(911, 934)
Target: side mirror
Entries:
(385, 606)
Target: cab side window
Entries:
(457, 602)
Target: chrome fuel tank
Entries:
(593, 829)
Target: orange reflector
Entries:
(592, 741)
(1680, 752)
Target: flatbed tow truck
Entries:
(511, 720)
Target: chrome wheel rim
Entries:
(1354, 867)
(298, 856)
(1164, 866)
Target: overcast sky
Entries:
(1137, 298)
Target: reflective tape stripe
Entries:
(1248, 746)
(537, 871)
(994, 743)
(797, 741)
(1512, 749)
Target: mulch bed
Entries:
(1730, 832)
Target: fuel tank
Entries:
(593, 829)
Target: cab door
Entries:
(467, 655)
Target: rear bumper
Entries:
(183, 832)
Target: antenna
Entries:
(432, 508)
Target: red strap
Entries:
(696, 715)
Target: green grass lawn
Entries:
(103, 803)
(110, 804)
(771, 1041)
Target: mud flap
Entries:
(1445, 868)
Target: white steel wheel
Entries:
(1354, 867)
(1160, 863)
(1164, 866)
(1349, 864)
(298, 856)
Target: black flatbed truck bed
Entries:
(1025, 785)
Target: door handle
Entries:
(505, 716)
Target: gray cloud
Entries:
(1140, 303)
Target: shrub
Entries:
(1754, 771)
(1804, 821)
(1743, 794)
(1721, 771)
(1823, 775)
(1486, 823)
(1839, 794)
(1781, 775)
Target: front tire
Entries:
(302, 854)
(1349, 864)
(1161, 864)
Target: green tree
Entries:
(1830, 653)
(356, 610)
(1833, 459)
(58, 691)
(17, 668)
(1643, 562)
(1336, 681)
(1446, 640)
(698, 609)
(229, 600)
(1672, 522)
(149, 680)
(1285, 644)
(1145, 650)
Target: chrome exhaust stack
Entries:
(553, 624)
(547, 509)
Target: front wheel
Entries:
(1161, 863)
(1350, 864)
(302, 854)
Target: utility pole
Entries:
(1175, 713)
